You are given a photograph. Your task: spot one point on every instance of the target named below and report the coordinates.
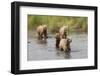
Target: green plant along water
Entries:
(75, 23)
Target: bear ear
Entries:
(45, 25)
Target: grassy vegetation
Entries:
(76, 24)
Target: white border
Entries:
(26, 65)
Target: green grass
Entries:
(76, 24)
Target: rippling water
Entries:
(46, 50)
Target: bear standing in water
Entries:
(57, 40)
(62, 41)
(42, 31)
(65, 44)
(63, 32)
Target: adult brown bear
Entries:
(63, 32)
(42, 31)
(57, 40)
(65, 44)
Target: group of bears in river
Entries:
(62, 40)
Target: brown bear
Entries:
(57, 40)
(63, 32)
(68, 43)
(65, 44)
(42, 31)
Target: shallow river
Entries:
(45, 50)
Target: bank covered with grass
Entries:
(76, 24)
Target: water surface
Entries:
(46, 50)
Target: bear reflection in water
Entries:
(42, 41)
